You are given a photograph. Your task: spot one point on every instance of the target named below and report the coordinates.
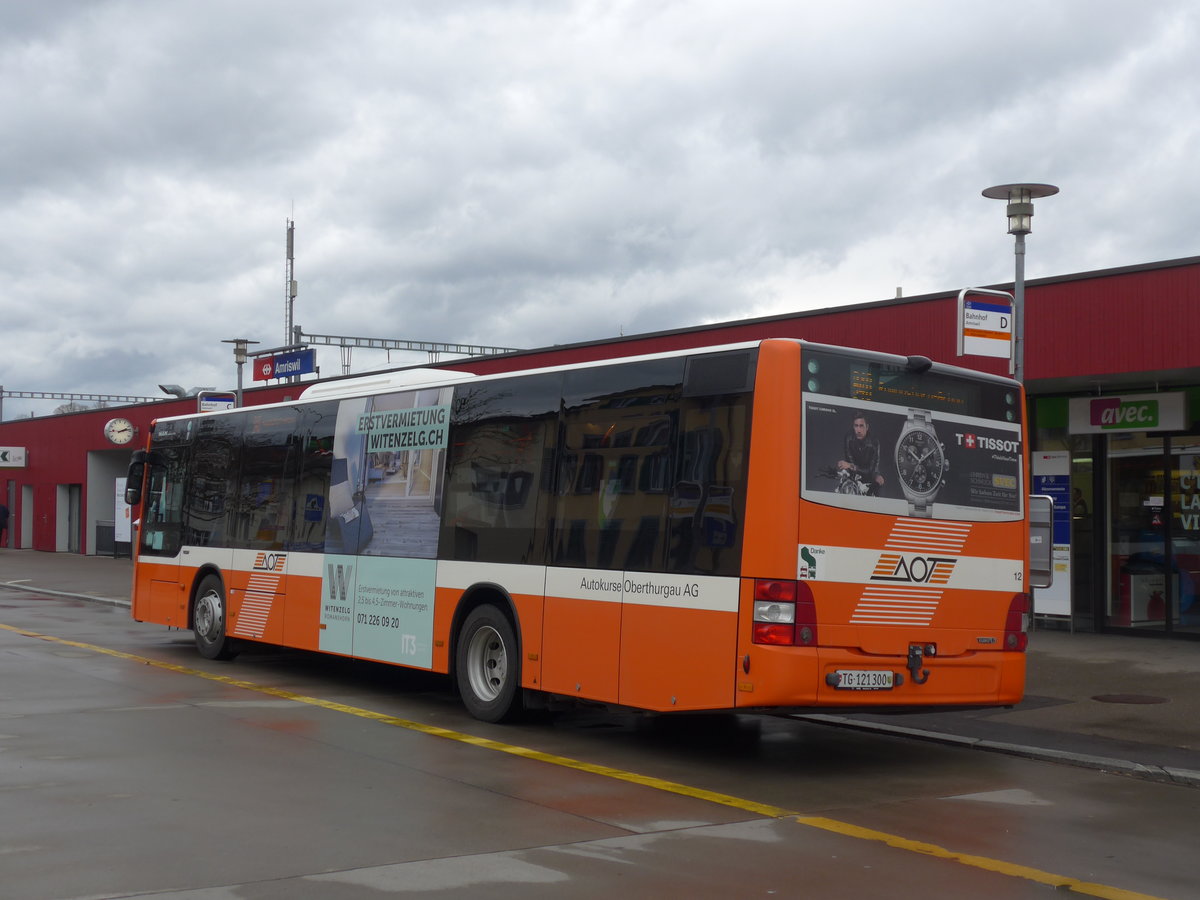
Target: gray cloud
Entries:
(521, 174)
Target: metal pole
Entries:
(1019, 309)
(1020, 199)
(240, 346)
(289, 282)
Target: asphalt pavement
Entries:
(1125, 704)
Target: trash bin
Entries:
(106, 538)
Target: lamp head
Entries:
(1020, 199)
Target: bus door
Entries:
(158, 595)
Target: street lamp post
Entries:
(240, 346)
(1020, 199)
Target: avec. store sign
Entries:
(1127, 412)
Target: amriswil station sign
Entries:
(285, 365)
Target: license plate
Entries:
(864, 680)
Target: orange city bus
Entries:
(761, 526)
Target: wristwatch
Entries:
(920, 462)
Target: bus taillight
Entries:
(1016, 626)
(784, 613)
(774, 611)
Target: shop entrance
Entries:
(1154, 532)
(1185, 528)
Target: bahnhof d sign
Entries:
(1112, 376)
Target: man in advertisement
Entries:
(860, 454)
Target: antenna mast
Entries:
(289, 283)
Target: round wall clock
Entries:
(119, 431)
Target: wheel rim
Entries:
(210, 614)
(487, 664)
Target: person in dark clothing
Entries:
(1079, 507)
(860, 454)
(3, 525)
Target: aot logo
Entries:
(269, 562)
(914, 569)
(1112, 412)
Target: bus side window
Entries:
(708, 497)
(618, 433)
(261, 509)
(495, 502)
(705, 527)
(309, 502)
(214, 471)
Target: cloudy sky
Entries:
(528, 173)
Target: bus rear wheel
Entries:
(487, 666)
(208, 620)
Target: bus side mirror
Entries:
(135, 477)
(1041, 541)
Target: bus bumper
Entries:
(845, 678)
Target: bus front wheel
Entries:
(208, 620)
(487, 666)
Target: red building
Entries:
(1112, 371)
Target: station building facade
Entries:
(1112, 374)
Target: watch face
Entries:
(920, 461)
(119, 431)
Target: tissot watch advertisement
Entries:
(910, 461)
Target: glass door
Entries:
(1185, 530)
(1138, 526)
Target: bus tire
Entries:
(208, 620)
(487, 666)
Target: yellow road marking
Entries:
(761, 809)
(1015, 870)
(845, 829)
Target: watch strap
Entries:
(920, 506)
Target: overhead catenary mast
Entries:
(294, 336)
(289, 283)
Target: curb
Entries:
(1162, 774)
(31, 589)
